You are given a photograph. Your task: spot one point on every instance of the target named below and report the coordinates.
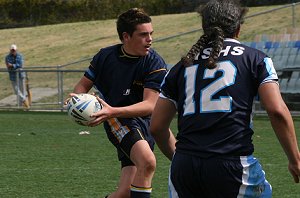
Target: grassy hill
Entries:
(65, 43)
(53, 45)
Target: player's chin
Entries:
(146, 51)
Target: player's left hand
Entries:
(295, 170)
(104, 114)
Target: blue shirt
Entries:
(121, 78)
(215, 105)
(17, 62)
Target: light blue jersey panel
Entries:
(254, 183)
(172, 191)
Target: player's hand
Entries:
(295, 171)
(69, 98)
(104, 114)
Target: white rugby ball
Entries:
(81, 107)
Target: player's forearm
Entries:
(80, 89)
(159, 127)
(283, 126)
(83, 86)
(165, 140)
(140, 109)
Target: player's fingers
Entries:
(95, 122)
(98, 114)
(69, 98)
(101, 101)
(66, 101)
(296, 178)
(295, 173)
(72, 94)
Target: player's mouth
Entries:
(148, 47)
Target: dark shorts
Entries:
(125, 137)
(218, 177)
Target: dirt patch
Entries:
(37, 94)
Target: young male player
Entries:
(128, 76)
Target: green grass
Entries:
(43, 155)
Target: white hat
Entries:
(13, 47)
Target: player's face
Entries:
(140, 42)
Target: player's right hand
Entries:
(69, 98)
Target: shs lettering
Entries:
(235, 51)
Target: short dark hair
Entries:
(128, 21)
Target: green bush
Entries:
(21, 13)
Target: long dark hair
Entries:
(220, 19)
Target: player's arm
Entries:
(161, 118)
(83, 86)
(282, 124)
(139, 109)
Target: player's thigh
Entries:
(205, 177)
(218, 177)
(142, 155)
(137, 148)
(184, 176)
(254, 183)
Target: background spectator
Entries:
(14, 63)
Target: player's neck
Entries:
(125, 54)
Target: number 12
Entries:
(207, 103)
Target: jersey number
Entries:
(207, 103)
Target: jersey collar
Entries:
(231, 40)
(123, 54)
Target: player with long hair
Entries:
(213, 88)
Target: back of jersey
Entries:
(215, 105)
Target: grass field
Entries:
(43, 155)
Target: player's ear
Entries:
(238, 31)
(125, 36)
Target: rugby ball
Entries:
(81, 106)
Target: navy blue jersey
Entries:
(215, 105)
(121, 78)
